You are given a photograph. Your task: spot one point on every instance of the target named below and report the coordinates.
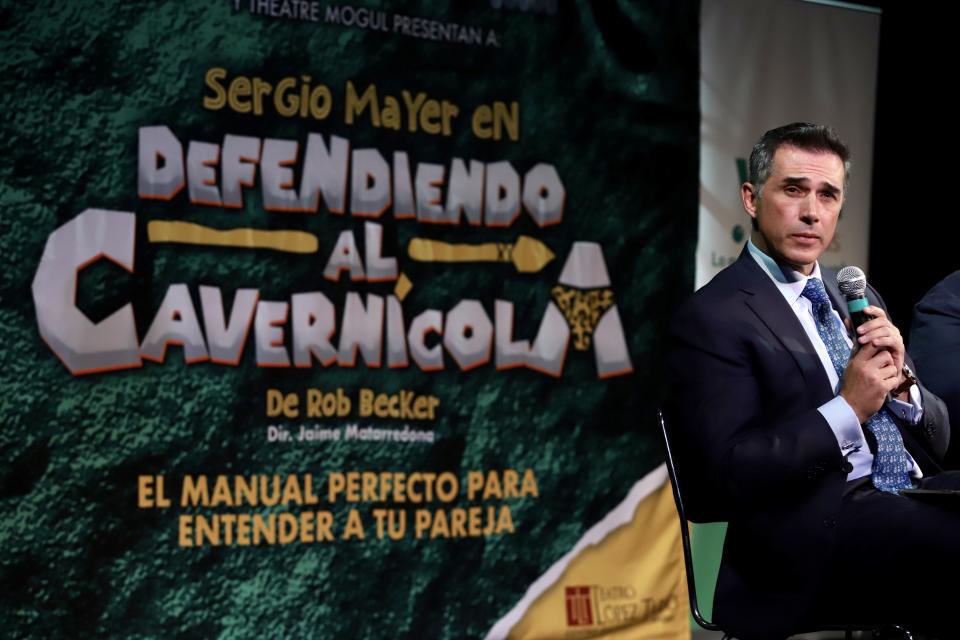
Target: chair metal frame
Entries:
(688, 562)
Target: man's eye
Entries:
(792, 190)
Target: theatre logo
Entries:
(615, 605)
(579, 607)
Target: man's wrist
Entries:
(905, 381)
(861, 415)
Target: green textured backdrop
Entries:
(608, 94)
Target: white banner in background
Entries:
(766, 63)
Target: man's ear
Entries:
(749, 196)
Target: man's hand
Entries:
(882, 333)
(868, 378)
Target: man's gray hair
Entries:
(803, 135)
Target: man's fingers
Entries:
(889, 370)
(875, 312)
(876, 325)
(882, 333)
(883, 342)
(882, 360)
(870, 356)
(864, 352)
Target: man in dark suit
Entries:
(801, 433)
(935, 347)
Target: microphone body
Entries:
(857, 315)
(853, 284)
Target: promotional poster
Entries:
(335, 320)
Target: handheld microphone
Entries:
(853, 284)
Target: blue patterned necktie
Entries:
(891, 466)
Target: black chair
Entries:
(878, 631)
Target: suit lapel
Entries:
(766, 301)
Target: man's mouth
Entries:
(806, 238)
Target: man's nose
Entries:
(809, 209)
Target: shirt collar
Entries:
(790, 282)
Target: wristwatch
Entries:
(908, 381)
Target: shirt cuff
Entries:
(910, 411)
(842, 420)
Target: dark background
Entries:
(911, 248)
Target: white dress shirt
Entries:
(837, 412)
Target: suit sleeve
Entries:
(749, 435)
(934, 427)
(933, 432)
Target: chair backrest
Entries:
(684, 532)
(688, 560)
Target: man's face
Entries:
(798, 210)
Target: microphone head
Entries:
(852, 282)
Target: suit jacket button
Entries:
(829, 523)
(846, 467)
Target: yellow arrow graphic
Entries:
(527, 254)
(190, 233)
